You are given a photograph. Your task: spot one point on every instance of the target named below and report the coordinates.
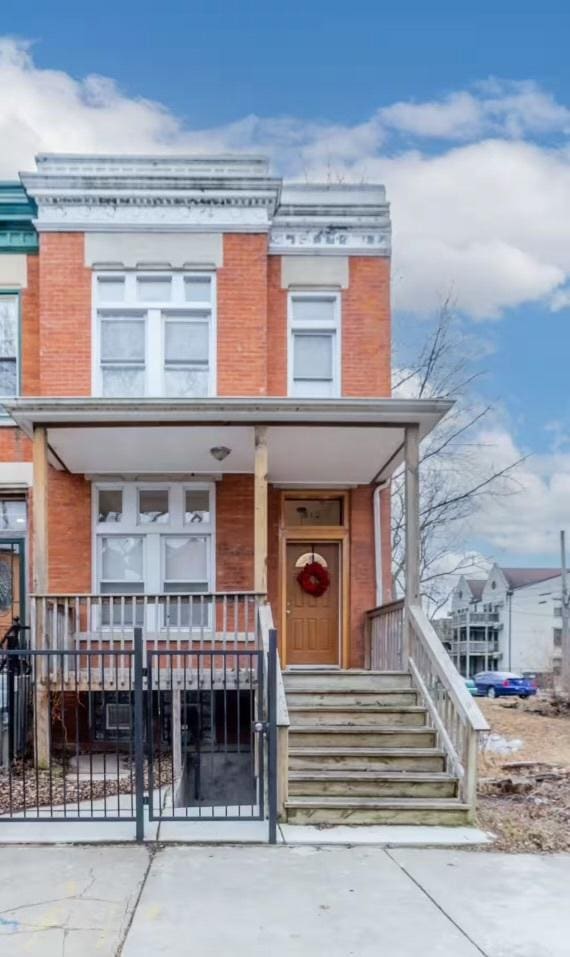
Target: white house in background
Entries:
(508, 621)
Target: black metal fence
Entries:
(206, 735)
(98, 734)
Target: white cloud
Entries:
(527, 522)
(496, 108)
(488, 218)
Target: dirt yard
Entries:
(525, 789)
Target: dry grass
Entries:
(25, 789)
(525, 796)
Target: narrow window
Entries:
(9, 385)
(122, 565)
(154, 288)
(186, 355)
(153, 506)
(123, 355)
(314, 367)
(110, 505)
(197, 506)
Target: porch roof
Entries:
(310, 442)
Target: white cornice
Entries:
(196, 193)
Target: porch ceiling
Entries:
(324, 442)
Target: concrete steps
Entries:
(361, 751)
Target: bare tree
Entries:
(455, 477)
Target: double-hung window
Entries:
(9, 345)
(154, 334)
(314, 344)
(155, 539)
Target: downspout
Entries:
(378, 542)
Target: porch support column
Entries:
(40, 584)
(260, 511)
(412, 504)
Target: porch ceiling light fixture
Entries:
(220, 452)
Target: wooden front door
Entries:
(312, 625)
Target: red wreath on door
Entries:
(314, 579)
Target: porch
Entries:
(315, 490)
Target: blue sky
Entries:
(463, 109)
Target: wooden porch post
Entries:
(40, 584)
(260, 511)
(412, 501)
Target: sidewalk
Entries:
(126, 901)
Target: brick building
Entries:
(196, 368)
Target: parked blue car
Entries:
(497, 684)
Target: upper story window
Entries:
(9, 344)
(154, 334)
(314, 344)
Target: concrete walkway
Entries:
(128, 901)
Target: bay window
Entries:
(155, 539)
(154, 334)
(314, 344)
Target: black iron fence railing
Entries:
(134, 733)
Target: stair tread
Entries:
(348, 690)
(374, 802)
(336, 775)
(344, 671)
(369, 709)
(368, 752)
(360, 729)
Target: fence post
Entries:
(272, 734)
(139, 734)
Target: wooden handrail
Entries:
(265, 616)
(394, 605)
(383, 637)
(447, 672)
(455, 716)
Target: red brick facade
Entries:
(251, 361)
(242, 316)
(64, 316)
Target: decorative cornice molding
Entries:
(225, 193)
(329, 240)
(13, 240)
(17, 233)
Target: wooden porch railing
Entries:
(59, 622)
(454, 715)
(384, 637)
(400, 637)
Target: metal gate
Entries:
(13, 631)
(106, 733)
(205, 735)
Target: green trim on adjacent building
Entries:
(17, 211)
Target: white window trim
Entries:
(15, 295)
(129, 525)
(315, 326)
(154, 328)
